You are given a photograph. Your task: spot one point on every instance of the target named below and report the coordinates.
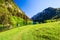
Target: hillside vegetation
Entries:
(11, 15)
(46, 31)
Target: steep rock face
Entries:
(11, 14)
(46, 14)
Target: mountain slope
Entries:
(47, 31)
(47, 14)
(10, 14)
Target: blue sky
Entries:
(32, 7)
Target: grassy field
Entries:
(46, 31)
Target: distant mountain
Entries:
(47, 14)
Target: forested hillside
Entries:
(11, 15)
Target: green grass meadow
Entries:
(46, 31)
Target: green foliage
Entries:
(15, 21)
(52, 20)
(48, 21)
(29, 22)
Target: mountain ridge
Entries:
(47, 14)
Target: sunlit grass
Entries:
(46, 31)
